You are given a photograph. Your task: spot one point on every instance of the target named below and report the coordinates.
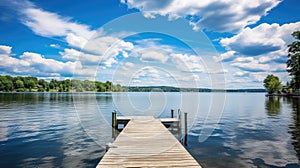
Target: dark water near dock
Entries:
(71, 130)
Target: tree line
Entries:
(273, 84)
(179, 89)
(33, 84)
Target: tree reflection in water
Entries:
(294, 127)
(272, 105)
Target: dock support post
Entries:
(114, 119)
(179, 126)
(172, 116)
(185, 129)
(114, 124)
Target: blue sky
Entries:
(211, 43)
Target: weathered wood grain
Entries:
(146, 142)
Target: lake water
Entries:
(225, 130)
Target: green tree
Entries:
(31, 84)
(42, 83)
(292, 84)
(108, 86)
(118, 88)
(77, 85)
(61, 87)
(272, 84)
(67, 84)
(41, 89)
(100, 87)
(19, 84)
(88, 85)
(48, 89)
(53, 84)
(6, 83)
(293, 62)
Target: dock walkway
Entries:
(146, 142)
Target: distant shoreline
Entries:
(283, 95)
(177, 89)
(183, 90)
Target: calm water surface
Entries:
(225, 130)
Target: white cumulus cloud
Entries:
(5, 49)
(259, 49)
(216, 15)
(263, 39)
(42, 65)
(187, 63)
(75, 55)
(35, 64)
(150, 55)
(250, 64)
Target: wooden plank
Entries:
(146, 142)
(163, 120)
(141, 117)
(124, 117)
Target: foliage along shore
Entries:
(33, 84)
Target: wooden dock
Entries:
(146, 142)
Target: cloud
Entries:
(152, 76)
(225, 57)
(263, 39)
(151, 55)
(126, 67)
(77, 35)
(42, 65)
(107, 46)
(187, 63)
(152, 50)
(129, 64)
(258, 51)
(263, 64)
(50, 24)
(76, 41)
(35, 64)
(5, 49)
(94, 45)
(264, 59)
(102, 49)
(216, 15)
(57, 46)
(241, 74)
(110, 61)
(12, 65)
(84, 58)
(250, 64)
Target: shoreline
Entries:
(283, 95)
(89, 92)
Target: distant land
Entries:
(33, 84)
(177, 89)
